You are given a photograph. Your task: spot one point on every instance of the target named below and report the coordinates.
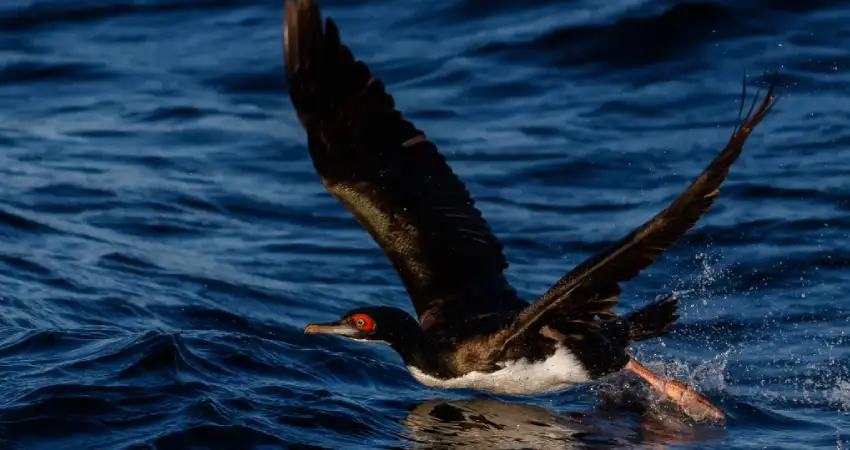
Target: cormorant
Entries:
(473, 329)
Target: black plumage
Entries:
(399, 187)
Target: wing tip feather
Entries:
(302, 33)
(691, 205)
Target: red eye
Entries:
(363, 322)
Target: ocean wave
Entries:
(166, 238)
(629, 42)
(61, 13)
(34, 71)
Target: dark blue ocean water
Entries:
(164, 238)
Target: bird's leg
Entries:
(692, 403)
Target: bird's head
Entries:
(382, 324)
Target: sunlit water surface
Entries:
(165, 237)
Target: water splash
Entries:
(704, 284)
(708, 377)
(839, 395)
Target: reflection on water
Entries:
(490, 423)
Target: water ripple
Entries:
(166, 238)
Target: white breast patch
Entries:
(519, 377)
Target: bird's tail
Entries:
(653, 320)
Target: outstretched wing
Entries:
(592, 287)
(390, 176)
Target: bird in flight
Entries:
(473, 330)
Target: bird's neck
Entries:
(416, 350)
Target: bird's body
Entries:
(557, 370)
(473, 330)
